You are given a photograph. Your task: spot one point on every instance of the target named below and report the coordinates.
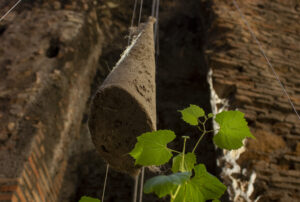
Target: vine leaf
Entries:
(88, 199)
(189, 192)
(203, 186)
(209, 185)
(163, 185)
(233, 130)
(189, 162)
(191, 114)
(151, 148)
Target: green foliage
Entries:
(209, 185)
(203, 186)
(88, 199)
(189, 162)
(191, 114)
(233, 130)
(151, 148)
(162, 185)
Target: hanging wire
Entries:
(142, 184)
(153, 8)
(12, 8)
(156, 16)
(135, 190)
(265, 56)
(141, 10)
(105, 180)
(132, 21)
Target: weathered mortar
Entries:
(241, 75)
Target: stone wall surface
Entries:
(55, 53)
(49, 57)
(269, 169)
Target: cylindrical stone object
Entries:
(124, 106)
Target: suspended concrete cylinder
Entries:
(125, 105)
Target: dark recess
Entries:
(54, 47)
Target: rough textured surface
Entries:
(46, 74)
(124, 106)
(239, 74)
(242, 77)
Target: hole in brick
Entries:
(241, 69)
(260, 6)
(104, 149)
(53, 49)
(84, 118)
(2, 29)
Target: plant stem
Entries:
(176, 192)
(209, 131)
(202, 135)
(172, 150)
(183, 152)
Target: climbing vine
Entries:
(189, 182)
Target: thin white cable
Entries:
(156, 16)
(135, 190)
(142, 184)
(265, 56)
(2, 18)
(132, 21)
(153, 8)
(141, 10)
(105, 180)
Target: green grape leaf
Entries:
(203, 186)
(189, 192)
(210, 115)
(233, 130)
(191, 114)
(163, 185)
(88, 199)
(209, 185)
(189, 162)
(151, 148)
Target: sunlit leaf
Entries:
(210, 186)
(151, 148)
(189, 162)
(88, 199)
(203, 186)
(210, 115)
(233, 130)
(191, 114)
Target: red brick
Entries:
(8, 188)
(33, 167)
(20, 194)
(5, 197)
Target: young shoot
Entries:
(189, 182)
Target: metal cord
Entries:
(142, 184)
(153, 8)
(132, 21)
(141, 10)
(265, 56)
(105, 180)
(135, 190)
(2, 18)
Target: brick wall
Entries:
(48, 61)
(241, 77)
